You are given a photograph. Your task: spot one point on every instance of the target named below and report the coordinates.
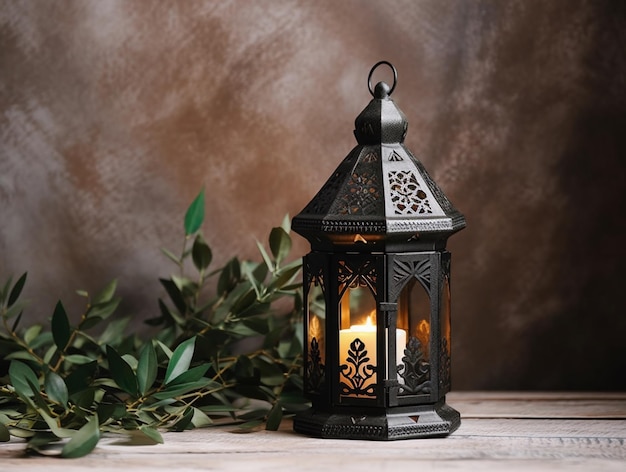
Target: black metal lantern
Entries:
(377, 289)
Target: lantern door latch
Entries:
(389, 309)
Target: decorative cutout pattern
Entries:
(403, 270)
(364, 276)
(357, 372)
(395, 157)
(321, 203)
(315, 367)
(444, 366)
(406, 195)
(370, 157)
(414, 370)
(362, 194)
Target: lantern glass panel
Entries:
(414, 314)
(316, 341)
(357, 340)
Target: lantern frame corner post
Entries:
(315, 274)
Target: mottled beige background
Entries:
(116, 113)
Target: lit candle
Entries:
(357, 346)
(400, 345)
(366, 334)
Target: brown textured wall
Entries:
(115, 114)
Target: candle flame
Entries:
(314, 327)
(423, 335)
(423, 330)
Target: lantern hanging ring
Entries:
(395, 76)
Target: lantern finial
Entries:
(381, 121)
(382, 90)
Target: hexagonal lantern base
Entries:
(436, 420)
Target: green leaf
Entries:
(226, 305)
(266, 256)
(271, 373)
(57, 430)
(192, 375)
(15, 309)
(89, 323)
(121, 372)
(169, 315)
(289, 348)
(78, 359)
(84, 441)
(106, 294)
(280, 244)
(19, 375)
(31, 333)
(286, 224)
(181, 359)
(201, 253)
(148, 406)
(102, 310)
(55, 388)
(131, 361)
(16, 322)
(260, 273)
(108, 411)
(5, 436)
(166, 350)
(195, 214)
(50, 352)
(244, 301)
(175, 295)
(284, 277)
(184, 421)
(85, 398)
(184, 285)
(22, 433)
(114, 331)
(17, 289)
(244, 370)
(41, 405)
(200, 419)
(21, 355)
(231, 273)
(43, 443)
(180, 389)
(60, 326)
(152, 433)
(80, 378)
(147, 368)
(274, 418)
(5, 290)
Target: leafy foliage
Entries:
(222, 354)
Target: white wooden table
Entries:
(499, 432)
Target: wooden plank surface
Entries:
(499, 431)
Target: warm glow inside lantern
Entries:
(377, 290)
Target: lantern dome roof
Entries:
(381, 192)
